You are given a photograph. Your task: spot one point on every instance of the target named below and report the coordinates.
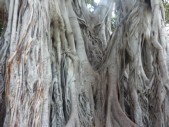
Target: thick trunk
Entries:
(60, 67)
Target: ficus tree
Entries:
(61, 65)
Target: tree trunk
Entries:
(60, 66)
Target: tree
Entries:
(62, 66)
(166, 6)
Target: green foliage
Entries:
(91, 4)
(89, 1)
(166, 6)
(3, 21)
(113, 23)
(1, 27)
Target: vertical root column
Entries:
(74, 81)
(113, 107)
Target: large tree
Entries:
(61, 64)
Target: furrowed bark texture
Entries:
(60, 65)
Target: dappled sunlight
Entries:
(97, 1)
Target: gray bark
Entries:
(60, 67)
